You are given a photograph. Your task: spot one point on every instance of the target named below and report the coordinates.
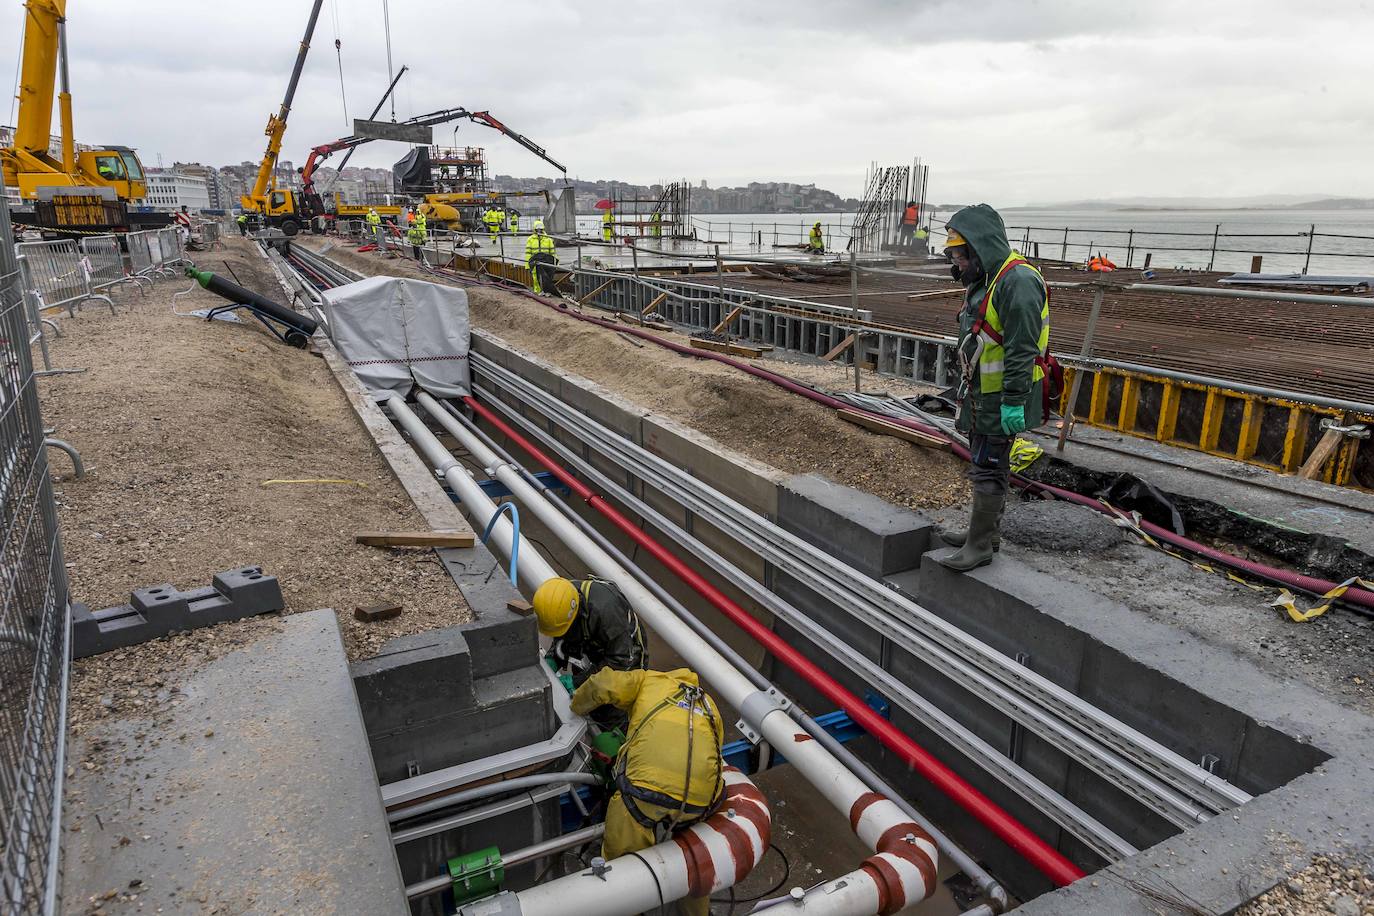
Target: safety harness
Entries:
(1051, 373)
(690, 698)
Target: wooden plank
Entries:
(384, 611)
(415, 538)
(1326, 447)
(839, 348)
(653, 306)
(878, 425)
(725, 323)
(596, 292)
(936, 294)
(732, 349)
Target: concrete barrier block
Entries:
(864, 531)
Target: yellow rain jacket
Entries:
(671, 756)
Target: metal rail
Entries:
(1160, 778)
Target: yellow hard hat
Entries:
(539, 225)
(555, 606)
(953, 239)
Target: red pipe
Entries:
(1258, 570)
(1016, 835)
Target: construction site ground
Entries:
(1334, 652)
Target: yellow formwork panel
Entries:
(1297, 418)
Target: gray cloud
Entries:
(1008, 100)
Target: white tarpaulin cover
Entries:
(396, 333)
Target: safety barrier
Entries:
(34, 622)
(1276, 430)
(210, 233)
(145, 253)
(104, 262)
(172, 245)
(55, 275)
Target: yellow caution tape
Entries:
(1023, 454)
(355, 483)
(1285, 600)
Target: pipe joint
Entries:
(755, 708)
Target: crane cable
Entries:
(338, 51)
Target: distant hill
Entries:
(1260, 202)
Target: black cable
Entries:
(657, 887)
(786, 873)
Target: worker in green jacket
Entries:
(1004, 335)
(512, 221)
(417, 234)
(608, 225)
(656, 224)
(243, 223)
(540, 258)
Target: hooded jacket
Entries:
(1020, 297)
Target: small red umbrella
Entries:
(605, 204)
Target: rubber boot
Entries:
(983, 521)
(955, 537)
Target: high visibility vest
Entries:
(909, 217)
(607, 218)
(988, 327)
(538, 243)
(817, 238)
(373, 219)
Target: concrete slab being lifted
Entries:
(268, 803)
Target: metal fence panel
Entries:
(34, 622)
(57, 275)
(104, 262)
(144, 251)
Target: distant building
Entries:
(170, 189)
(196, 170)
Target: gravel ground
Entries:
(799, 436)
(181, 421)
(1323, 888)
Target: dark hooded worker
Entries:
(1004, 334)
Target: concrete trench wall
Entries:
(1296, 750)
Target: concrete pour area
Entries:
(1303, 756)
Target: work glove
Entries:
(1013, 419)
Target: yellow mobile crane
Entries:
(27, 163)
(277, 206)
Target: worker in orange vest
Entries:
(910, 217)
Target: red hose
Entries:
(1040, 854)
(1258, 570)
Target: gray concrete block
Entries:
(157, 610)
(869, 534)
(604, 406)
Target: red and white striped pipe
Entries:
(706, 857)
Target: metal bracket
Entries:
(757, 705)
(1353, 431)
(1210, 763)
(599, 868)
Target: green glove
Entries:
(1013, 419)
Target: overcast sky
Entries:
(1009, 101)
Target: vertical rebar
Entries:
(720, 287)
(1311, 234)
(1212, 258)
(1130, 246)
(1064, 248)
(1084, 352)
(854, 311)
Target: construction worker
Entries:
(816, 243)
(911, 217)
(592, 627)
(243, 224)
(1004, 334)
(494, 218)
(418, 233)
(608, 225)
(540, 257)
(656, 224)
(668, 771)
(512, 221)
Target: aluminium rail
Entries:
(1182, 791)
(1093, 833)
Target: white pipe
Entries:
(904, 866)
(532, 569)
(696, 861)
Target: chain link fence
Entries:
(34, 621)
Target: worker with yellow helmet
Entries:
(593, 627)
(668, 771)
(540, 258)
(815, 244)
